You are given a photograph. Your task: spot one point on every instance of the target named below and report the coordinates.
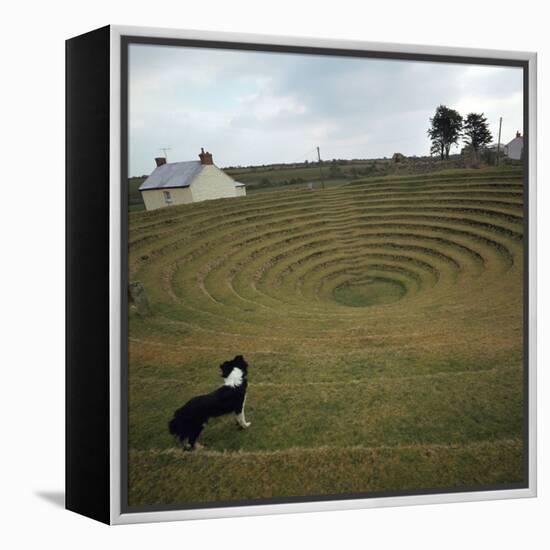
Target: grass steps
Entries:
(382, 320)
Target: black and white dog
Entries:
(189, 420)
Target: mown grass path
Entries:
(382, 321)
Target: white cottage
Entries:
(173, 183)
(514, 149)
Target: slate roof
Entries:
(173, 174)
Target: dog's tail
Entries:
(172, 427)
(178, 427)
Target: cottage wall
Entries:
(155, 198)
(212, 183)
(514, 148)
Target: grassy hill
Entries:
(382, 321)
(337, 172)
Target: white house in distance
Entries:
(173, 183)
(514, 149)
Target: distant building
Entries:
(514, 149)
(173, 183)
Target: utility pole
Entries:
(320, 168)
(498, 144)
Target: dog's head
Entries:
(237, 363)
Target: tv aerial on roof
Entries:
(165, 152)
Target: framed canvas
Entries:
(300, 274)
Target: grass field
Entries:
(382, 321)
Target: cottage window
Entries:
(167, 197)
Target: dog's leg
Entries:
(180, 441)
(240, 416)
(194, 435)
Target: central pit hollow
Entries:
(369, 292)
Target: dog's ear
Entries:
(240, 362)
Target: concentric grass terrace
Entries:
(382, 321)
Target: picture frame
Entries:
(97, 260)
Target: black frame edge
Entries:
(87, 451)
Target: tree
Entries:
(437, 149)
(446, 127)
(398, 157)
(476, 131)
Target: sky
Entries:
(250, 108)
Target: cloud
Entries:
(258, 107)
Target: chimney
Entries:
(160, 161)
(206, 158)
(518, 134)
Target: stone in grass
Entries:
(137, 299)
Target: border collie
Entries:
(189, 420)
